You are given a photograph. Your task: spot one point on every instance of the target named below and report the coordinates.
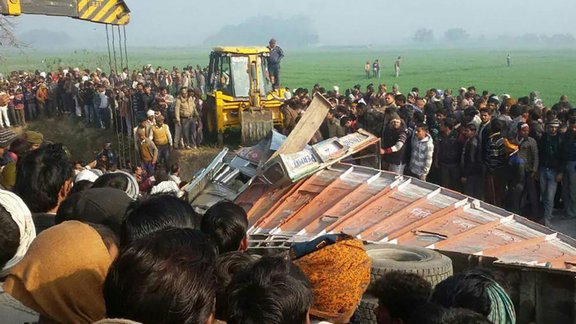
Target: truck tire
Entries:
(431, 265)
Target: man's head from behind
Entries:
(399, 293)
(226, 223)
(44, 178)
(155, 213)
(269, 292)
(167, 277)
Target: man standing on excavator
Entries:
(276, 55)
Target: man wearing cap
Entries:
(6, 137)
(550, 166)
(35, 139)
(276, 55)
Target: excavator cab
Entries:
(240, 94)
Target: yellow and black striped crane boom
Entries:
(112, 12)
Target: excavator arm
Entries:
(113, 12)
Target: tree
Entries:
(456, 35)
(424, 35)
(7, 36)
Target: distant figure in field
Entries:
(276, 55)
(367, 70)
(397, 66)
(376, 69)
(508, 60)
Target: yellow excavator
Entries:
(240, 94)
(112, 12)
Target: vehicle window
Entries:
(240, 76)
(223, 80)
(263, 79)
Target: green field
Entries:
(550, 72)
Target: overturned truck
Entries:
(293, 192)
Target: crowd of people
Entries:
(518, 154)
(79, 247)
(513, 153)
(147, 256)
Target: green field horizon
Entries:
(551, 72)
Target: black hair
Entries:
(344, 120)
(155, 213)
(401, 98)
(427, 313)
(227, 265)
(465, 290)
(226, 223)
(400, 293)
(112, 180)
(174, 168)
(9, 237)
(496, 125)
(107, 235)
(463, 316)
(449, 123)
(484, 110)
(167, 277)
(41, 175)
(20, 147)
(418, 117)
(160, 174)
(268, 293)
(81, 186)
(515, 111)
(422, 126)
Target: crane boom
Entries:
(113, 12)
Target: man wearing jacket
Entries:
(147, 151)
(550, 166)
(422, 153)
(276, 55)
(186, 117)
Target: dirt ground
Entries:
(85, 143)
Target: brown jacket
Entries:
(185, 107)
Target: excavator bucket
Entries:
(256, 124)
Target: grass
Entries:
(548, 71)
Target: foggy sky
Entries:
(337, 22)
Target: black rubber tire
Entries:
(431, 265)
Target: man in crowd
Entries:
(276, 56)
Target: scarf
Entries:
(501, 307)
(62, 275)
(339, 270)
(23, 218)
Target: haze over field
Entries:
(338, 23)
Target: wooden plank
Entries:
(306, 127)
